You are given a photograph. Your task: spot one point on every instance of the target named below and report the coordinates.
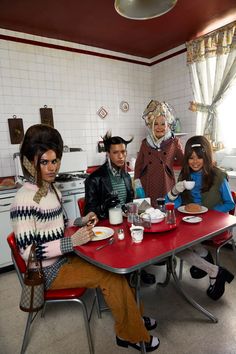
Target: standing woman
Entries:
(37, 217)
(158, 152)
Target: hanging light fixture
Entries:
(143, 9)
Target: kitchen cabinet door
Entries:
(6, 229)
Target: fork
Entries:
(110, 242)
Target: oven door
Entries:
(70, 203)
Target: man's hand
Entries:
(90, 219)
(111, 202)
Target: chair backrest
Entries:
(232, 212)
(81, 204)
(18, 261)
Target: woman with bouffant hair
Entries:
(210, 190)
(36, 215)
(158, 152)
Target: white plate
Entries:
(101, 233)
(157, 220)
(192, 219)
(182, 210)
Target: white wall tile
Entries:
(75, 86)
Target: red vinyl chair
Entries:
(224, 238)
(81, 205)
(51, 296)
(218, 241)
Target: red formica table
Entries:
(124, 256)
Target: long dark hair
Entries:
(38, 139)
(109, 140)
(202, 148)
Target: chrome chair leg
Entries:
(99, 306)
(26, 334)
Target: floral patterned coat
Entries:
(154, 167)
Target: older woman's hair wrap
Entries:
(109, 140)
(155, 109)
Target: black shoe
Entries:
(197, 273)
(216, 290)
(149, 323)
(152, 345)
(147, 278)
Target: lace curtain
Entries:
(212, 63)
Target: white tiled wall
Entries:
(171, 83)
(75, 86)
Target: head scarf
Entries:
(43, 190)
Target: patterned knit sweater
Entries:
(40, 223)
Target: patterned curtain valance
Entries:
(216, 43)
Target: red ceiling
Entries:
(96, 23)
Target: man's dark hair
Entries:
(109, 140)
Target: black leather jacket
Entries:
(98, 188)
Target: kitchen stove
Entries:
(68, 181)
(72, 188)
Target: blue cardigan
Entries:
(227, 199)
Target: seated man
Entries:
(111, 185)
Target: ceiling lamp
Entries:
(143, 9)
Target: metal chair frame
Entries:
(218, 247)
(32, 316)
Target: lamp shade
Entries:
(143, 9)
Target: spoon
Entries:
(190, 217)
(110, 242)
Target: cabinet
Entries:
(6, 229)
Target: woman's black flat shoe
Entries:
(216, 290)
(149, 323)
(152, 345)
(197, 273)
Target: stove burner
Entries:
(67, 177)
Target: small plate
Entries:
(192, 219)
(182, 210)
(157, 220)
(101, 233)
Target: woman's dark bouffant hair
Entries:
(109, 140)
(38, 139)
(202, 148)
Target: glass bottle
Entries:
(177, 126)
(139, 191)
(170, 214)
(160, 204)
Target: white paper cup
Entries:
(189, 184)
(137, 233)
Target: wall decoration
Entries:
(124, 106)
(46, 116)
(16, 129)
(102, 112)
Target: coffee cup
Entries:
(137, 233)
(189, 184)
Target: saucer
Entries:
(192, 219)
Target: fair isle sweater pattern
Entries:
(32, 222)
